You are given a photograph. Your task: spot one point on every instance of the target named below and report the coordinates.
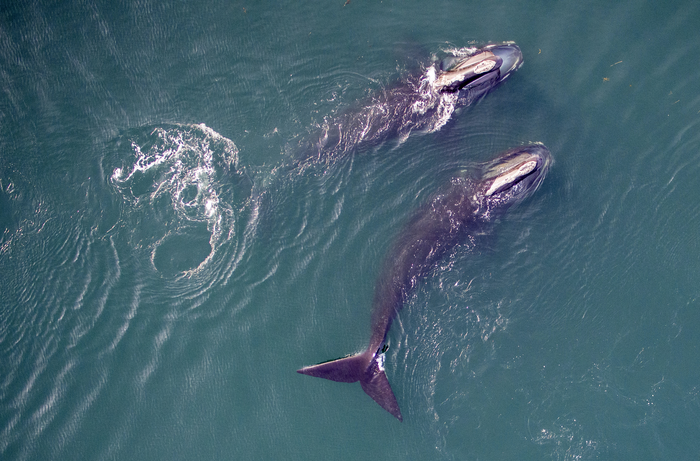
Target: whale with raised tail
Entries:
(438, 227)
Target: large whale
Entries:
(424, 102)
(444, 222)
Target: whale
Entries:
(461, 211)
(419, 103)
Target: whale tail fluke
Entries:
(376, 385)
(366, 368)
(345, 370)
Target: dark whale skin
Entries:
(447, 220)
(422, 103)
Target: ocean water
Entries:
(164, 271)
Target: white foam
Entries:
(179, 166)
(380, 361)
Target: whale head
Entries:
(513, 175)
(480, 71)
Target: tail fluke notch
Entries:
(367, 369)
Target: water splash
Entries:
(183, 188)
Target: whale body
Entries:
(443, 223)
(423, 103)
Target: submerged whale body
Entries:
(437, 228)
(425, 103)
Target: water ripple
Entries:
(184, 195)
